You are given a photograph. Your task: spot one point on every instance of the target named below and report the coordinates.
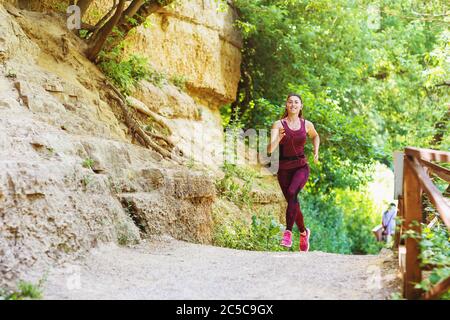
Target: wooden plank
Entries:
(433, 192)
(398, 229)
(441, 172)
(438, 290)
(413, 213)
(428, 154)
(402, 259)
(398, 174)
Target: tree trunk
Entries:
(100, 39)
(140, 14)
(131, 10)
(103, 20)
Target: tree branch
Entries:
(140, 15)
(101, 22)
(100, 39)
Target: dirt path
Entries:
(179, 270)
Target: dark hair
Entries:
(300, 114)
(392, 204)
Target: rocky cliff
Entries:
(71, 175)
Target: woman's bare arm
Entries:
(277, 133)
(312, 133)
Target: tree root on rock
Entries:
(144, 137)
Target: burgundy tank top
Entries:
(292, 145)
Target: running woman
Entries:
(290, 134)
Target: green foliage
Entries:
(341, 221)
(326, 222)
(11, 73)
(262, 234)
(370, 85)
(434, 250)
(336, 225)
(236, 184)
(435, 246)
(368, 89)
(83, 33)
(396, 296)
(60, 6)
(88, 163)
(132, 21)
(360, 216)
(86, 180)
(25, 290)
(126, 73)
(179, 81)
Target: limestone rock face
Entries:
(194, 39)
(14, 43)
(197, 41)
(194, 42)
(69, 177)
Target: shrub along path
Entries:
(171, 269)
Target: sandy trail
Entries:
(172, 269)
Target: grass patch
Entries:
(25, 291)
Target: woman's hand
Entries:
(316, 157)
(315, 139)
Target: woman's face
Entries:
(293, 104)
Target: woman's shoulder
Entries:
(277, 124)
(308, 124)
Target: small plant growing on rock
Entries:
(88, 163)
(11, 74)
(191, 162)
(179, 81)
(83, 33)
(25, 290)
(236, 185)
(86, 181)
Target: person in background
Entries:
(388, 222)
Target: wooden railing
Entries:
(417, 166)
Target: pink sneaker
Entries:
(304, 241)
(287, 239)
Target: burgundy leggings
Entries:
(291, 182)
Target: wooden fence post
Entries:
(398, 228)
(412, 212)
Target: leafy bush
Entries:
(435, 250)
(25, 290)
(126, 73)
(236, 184)
(326, 222)
(340, 221)
(262, 234)
(360, 216)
